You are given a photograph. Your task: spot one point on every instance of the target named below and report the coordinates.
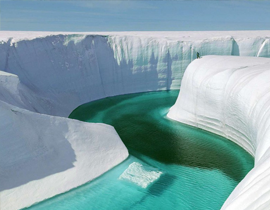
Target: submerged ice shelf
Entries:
(141, 175)
(52, 73)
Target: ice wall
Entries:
(67, 70)
(230, 96)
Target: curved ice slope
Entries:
(67, 70)
(42, 156)
(14, 92)
(230, 96)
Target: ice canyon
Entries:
(45, 75)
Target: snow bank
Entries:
(42, 156)
(230, 96)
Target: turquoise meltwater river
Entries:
(196, 169)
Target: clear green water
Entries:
(200, 169)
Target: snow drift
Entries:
(53, 73)
(230, 96)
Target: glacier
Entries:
(46, 75)
(230, 96)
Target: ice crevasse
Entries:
(45, 75)
(230, 96)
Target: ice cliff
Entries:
(66, 70)
(230, 96)
(44, 75)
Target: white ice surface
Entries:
(52, 73)
(230, 96)
(42, 156)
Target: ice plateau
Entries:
(45, 75)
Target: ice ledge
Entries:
(230, 96)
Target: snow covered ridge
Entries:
(230, 96)
(67, 70)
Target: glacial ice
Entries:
(230, 96)
(66, 70)
(45, 74)
(42, 156)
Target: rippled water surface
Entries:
(198, 169)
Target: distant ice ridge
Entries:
(230, 96)
(141, 175)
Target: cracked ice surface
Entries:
(230, 96)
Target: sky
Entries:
(134, 15)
